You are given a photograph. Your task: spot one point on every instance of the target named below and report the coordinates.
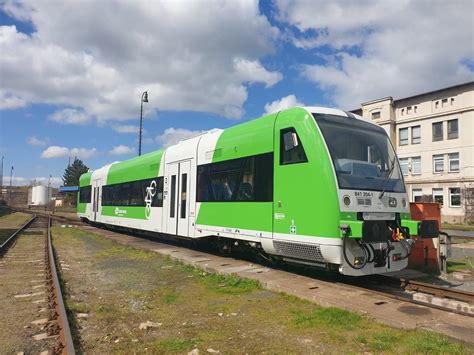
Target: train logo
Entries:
(150, 193)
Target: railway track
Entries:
(9, 241)
(397, 288)
(29, 263)
(438, 291)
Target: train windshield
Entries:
(362, 154)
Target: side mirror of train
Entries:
(428, 229)
(291, 140)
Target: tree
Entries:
(73, 172)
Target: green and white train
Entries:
(314, 186)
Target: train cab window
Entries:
(85, 194)
(291, 148)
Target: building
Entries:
(433, 134)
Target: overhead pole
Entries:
(11, 178)
(1, 180)
(143, 99)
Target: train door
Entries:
(292, 210)
(183, 198)
(96, 186)
(177, 200)
(171, 191)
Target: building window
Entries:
(403, 136)
(437, 104)
(408, 110)
(453, 129)
(437, 131)
(415, 108)
(375, 115)
(416, 195)
(438, 163)
(454, 197)
(404, 165)
(452, 101)
(444, 102)
(438, 195)
(403, 111)
(415, 135)
(453, 162)
(416, 165)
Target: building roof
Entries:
(68, 189)
(359, 111)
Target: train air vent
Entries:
(299, 251)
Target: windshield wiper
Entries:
(389, 174)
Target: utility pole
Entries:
(11, 178)
(144, 98)
(1, 181)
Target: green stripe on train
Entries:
(85, 179)
(81, 207)
(137, 212)
(146, 166)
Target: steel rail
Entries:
(64, 329)
(438, 291)
(5, 244)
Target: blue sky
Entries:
(71, 73)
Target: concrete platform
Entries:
(382, 308)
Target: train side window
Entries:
(184, 188)
(291, 148)
(158, 199)
(243, 179)
(85, 194)
(173, 196)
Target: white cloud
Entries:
(173, 135)
(70, 116)
(23, 181)
(10, 101)
(62, 152)
(383, 48)
(282, 104)
(121, 150)
(36, 141)
(77, 59)
(126, 129)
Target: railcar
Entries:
(308, 185)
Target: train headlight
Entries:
(392, 202)
(347, 200)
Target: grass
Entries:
(432, 343)
(14, 220)
(120, 287)
(4, 211)
(177, 345)
(466, 264)
(326, 317)
(460, 227)
(170, 297)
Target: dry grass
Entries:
(120, 287)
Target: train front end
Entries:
(375, 223)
